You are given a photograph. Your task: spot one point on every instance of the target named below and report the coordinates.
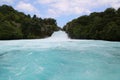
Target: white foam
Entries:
(58, 36)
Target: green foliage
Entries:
(17, 25)
(8, 31)
(98, 25)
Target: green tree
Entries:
(17, 25)
(98, 25)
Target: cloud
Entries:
(58, 8)
(46, 1)
(6, 1)
(26, 7)
(116, 6)
(63, 7)
(111, 3)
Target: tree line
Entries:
(17, 25)
(98, 25)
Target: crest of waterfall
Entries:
(58, 36)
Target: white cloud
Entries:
(116, 6)
(46, 1)
(68, 7)
(7, 1)
(26, 7)
(56, 8)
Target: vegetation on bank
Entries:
(17, 25)
(98, 25)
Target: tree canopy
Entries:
(98, 25)
(17, 25)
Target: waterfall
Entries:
(58, 36)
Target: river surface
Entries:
(59, 58)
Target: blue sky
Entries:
(62, 10)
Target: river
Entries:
(59, 58)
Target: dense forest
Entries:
(98, 25)
(17, 25)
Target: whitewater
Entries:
(59, 58)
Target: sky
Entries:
(61, 10)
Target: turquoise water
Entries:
(59, 59)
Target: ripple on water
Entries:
(59, 59)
